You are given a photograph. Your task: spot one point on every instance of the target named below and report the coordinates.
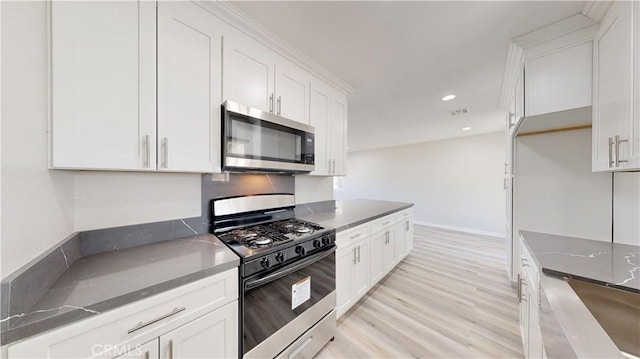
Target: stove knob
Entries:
(264, 262)
(317, 244)
(280, 257)
(300, 250)
(325, 241)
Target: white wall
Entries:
(555, 190)
(626, 210)
(454, 183)
(40, 207)
(313, 189)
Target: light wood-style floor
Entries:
(450, 298)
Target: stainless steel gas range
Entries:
(287, 285)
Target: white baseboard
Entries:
(460, 229)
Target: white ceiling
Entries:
(403, 57)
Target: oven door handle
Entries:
(288, 270)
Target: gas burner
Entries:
(248, 235)
(263, 241)
(303, 229)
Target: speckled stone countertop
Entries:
(352, 213)
(103, 281)
(611, 264)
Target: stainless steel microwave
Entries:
(258, 141)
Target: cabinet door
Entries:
(361, 270)
(559, 81)
(345, 260)
(388, 251)
(146, 351)
(189, 88)
(376, 247)
(214, 335)
(399, 234)
(338, 135)
(613, 84)
(248, 72)
(292, 92)
(319, 111)
(103, 85)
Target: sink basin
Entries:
(617, 311)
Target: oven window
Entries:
(256, 139)
(267, 308)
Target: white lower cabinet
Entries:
(363, 259)
(529, 298)
(352, 274)
(196, 320)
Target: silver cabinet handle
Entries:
(406, 226)
(610, 152)
(358, 254)
(153, 321)
(519, 289)
(171, 349)
(146, 355)
(356, 236)
(271, 103)
(147, 151)
(165, 147)
(334, 166)
(329, 167)
(617, 142)
(354, 255)
(279, 104)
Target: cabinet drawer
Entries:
(132, 324)
(346, 237)
(404, 215)
(383, 223)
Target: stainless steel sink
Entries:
(617, 311)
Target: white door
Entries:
(345, 260)
(103, 85)
(214, 335)
(189, 88)
(338, 135)
(613, 83)
(361, 269)
(146, 351)
(319, 110)
(376, 246)
(248, 72)
(292, 91)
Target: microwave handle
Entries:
(294, 267)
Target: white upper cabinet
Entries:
(559, 81)
(328, 115)
(292, 90)
(189, 88)
(616, 127)
(103, 85)
(248, 73)
(112, 109)
(257, 77)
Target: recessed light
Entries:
(466, 128)
(448, 97)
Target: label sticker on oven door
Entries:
(300, 292)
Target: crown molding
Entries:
(595, 10)
(554, 30)
(241, 21)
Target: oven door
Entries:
(279, 307)
(254, 140)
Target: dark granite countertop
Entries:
(104, 281)
(611, 264)
(352, 213)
